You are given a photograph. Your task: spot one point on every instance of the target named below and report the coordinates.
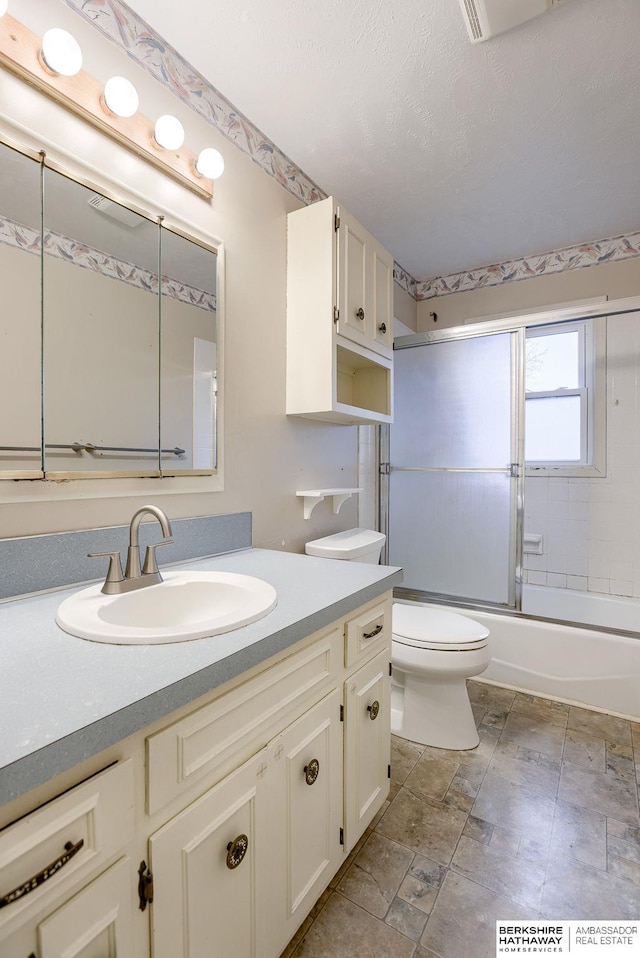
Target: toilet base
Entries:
(433, 712)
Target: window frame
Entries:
(592, 393)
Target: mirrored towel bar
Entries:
(88, 447)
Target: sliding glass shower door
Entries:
(453, 468)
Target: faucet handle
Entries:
(150, 566)
(114, 573)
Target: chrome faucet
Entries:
(134, 577)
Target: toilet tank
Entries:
(353, 545)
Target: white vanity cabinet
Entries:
(339, 318)
(57, 897)
(239, 809)
(236, 873)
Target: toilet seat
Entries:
(436, 629)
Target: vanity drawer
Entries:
(62, 843)
(218, 737)
(368, 632)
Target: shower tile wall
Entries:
(591, 527)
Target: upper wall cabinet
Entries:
(339, 318)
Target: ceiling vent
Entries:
(115, 212)
(486, 18)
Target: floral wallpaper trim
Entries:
(558, 261)
(63, 247)
(129, 31)
(125, 28)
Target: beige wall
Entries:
(267, 456)
(405, 308)
(614, 280)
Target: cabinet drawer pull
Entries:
(360, 313)
(236, 850)
(383, 328)
(373, 710)
(311, 771)
(32, 883)
(369, 635)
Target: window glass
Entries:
(553, 362)
(553, 429)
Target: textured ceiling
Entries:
(454, 155)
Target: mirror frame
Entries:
(29, 485)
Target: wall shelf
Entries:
(311, 498)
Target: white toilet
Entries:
(433, 653)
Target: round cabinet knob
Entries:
(383, 328)
(373, 710)
(236, 850)
(360, 313)
(311, 771)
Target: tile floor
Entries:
(539, 821)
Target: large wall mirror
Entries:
(108, 335)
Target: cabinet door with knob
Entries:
(307, 807)
(206, 862)
(367, 745)
(365, 287)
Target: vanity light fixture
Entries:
(53, 66)
(210, 163)
(168, 132)
(61, 52)
(121, 97)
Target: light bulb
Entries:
(4, 5)
(210, 163)
(121, 97)
(61, 52)
(169, 132)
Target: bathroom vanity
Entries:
(193, 798)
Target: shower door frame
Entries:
(514, 323)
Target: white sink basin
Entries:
(186, 605)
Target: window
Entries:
(564, 399)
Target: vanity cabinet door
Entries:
(95, 923)
(306, 816)
(206, 865)
(367, 745)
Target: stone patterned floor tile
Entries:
(462, 923)
(609, 727)
(575, 890)
(344, 930)
(519, 882)
(604, 793)
(478, 829)
(404, 756)
(479, 712)
(427, 871)
(619, 831)
(585, 748)
(516, 807)
(375, 876)
(406, 919)
(505, 840)
(535, 733)
(579, 833)
(491, 696)
(418, 894)
(495, 717)
(431, 777)
(635, 734)
(555, 712)
(543, 778)
(423, 826)
(622, 867)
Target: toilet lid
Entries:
(435, 628)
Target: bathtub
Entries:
(596, 669)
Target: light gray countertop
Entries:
(64, 699)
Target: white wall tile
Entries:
(538, 578)
(556, 580)
(577, 582)
(598, 585)
(621, 587)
